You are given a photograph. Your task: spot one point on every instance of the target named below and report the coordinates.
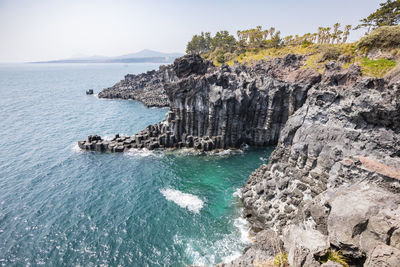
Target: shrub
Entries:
(335, 256)
(281, 259)
(329, 52)
(220, 58)
(385, 37)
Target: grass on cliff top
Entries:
(316, 56)
(376, 68)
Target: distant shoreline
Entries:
(125, 60)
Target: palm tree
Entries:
(320, 35)
(335, 31)
(339, 36)
(265, 34)
(328, 35)
(314, 37)
(272, 31)
(346, 33)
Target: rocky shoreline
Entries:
(333, 181)
(147, 87)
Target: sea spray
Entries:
(184, 200)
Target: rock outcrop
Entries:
(217, 108)
(147, 88)
(333, 181)
(335, 170)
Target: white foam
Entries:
(204, 252)
(143, 153)
(237, 193)
(108, 137)
(232, 257)
(184, 200)
(76, 148)
(225, 152)
(185, 152)
(244, 228)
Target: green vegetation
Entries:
(377, 68)
(386, 37)
(281, 259)
(387, 15)
(329, 43)
(335, 256)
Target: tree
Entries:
(199, 44)
(224, 41)
(346, 33)
(335, 35)
(387, 15)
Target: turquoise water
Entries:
(60, 206)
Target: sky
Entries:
(35, 30)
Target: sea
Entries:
(61, 206)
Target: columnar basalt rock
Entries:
(335, 170)
(147, 87)
(219, 108)
(333, 180)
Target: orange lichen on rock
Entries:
(375, 166)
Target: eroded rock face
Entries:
(336, 170)
(217, 108)
(147, 88)
(333, 181)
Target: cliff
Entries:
(147, 88)
(219, 108)
(333, 181)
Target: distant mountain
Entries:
(143, 56)
(146, 53)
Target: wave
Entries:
(184, 200)
(204, 252)
(237, 193)
(243, 225)
(76, 148)
(225, 152)
(143, 153)
(213, 153)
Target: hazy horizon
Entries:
(49, 30)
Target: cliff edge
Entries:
(333, 181)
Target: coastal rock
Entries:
(147, 88)
(384, 256)
(335, 170)
(333, 180)
(218, 108)
(304, 246)
(266, 245)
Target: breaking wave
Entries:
(184, 200)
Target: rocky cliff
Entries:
(333, 181)
(218, 108)
(147, 88)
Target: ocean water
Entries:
(60, 206)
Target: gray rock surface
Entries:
(333, 180)
(336, 169)
(147, 88)
(219, 108)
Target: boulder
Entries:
(303, 245)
